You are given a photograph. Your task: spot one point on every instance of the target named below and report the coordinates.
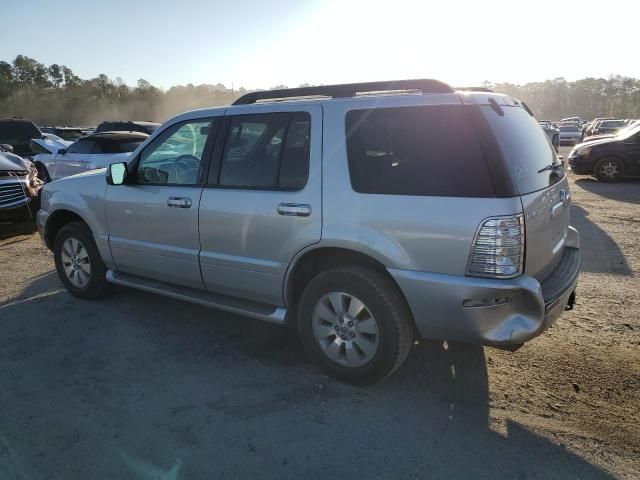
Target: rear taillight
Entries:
(498, 248)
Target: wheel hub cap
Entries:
(345, 329)
(75, 262)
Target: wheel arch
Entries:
(56, 221)
(311, 262)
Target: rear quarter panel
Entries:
(432, 234)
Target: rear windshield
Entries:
(569, 129)
(526, 148)
(430, 150)
(118, 146)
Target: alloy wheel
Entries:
(76, 262)
(345, 329)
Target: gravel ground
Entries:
(137, 386)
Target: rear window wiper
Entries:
(551, 166)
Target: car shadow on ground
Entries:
(626, 191)
(600, 253)
(10, 230)
(137, 386)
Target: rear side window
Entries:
(267, 151)
(431, 151)
(526, 149)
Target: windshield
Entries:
(526, 149)
(613, 124)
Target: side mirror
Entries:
(117, 173)
(7, 147)
(62, 151)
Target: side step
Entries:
(249, 308)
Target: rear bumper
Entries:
(485, 311)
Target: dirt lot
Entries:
(142, 387)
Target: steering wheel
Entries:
(185, 164)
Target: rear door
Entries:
(262, 204)
(541, 182)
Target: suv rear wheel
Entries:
(78, 262)
(608, 170)
(355, 324)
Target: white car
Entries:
(570, 134)
(88, 153)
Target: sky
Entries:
(265, 43)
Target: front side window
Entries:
(83, 146)
(269, 151)
(175, 156)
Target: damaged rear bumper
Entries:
(486, 311)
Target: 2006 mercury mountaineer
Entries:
(365, 214)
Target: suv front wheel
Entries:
(78, 262)
(354, 322)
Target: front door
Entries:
(153, 221)
(262, 204)
(73, 160)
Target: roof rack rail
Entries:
(475, 89)
(346, 90)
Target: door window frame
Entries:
(205, 161)
(212, 179)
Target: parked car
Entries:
(623, 131)
(609, 127)
(18, 133)
(361, 219)
(19, 188)
(594, 123)
(88, 153)
(570, 135)
(552, 132)
(609, 159)
(143, 127)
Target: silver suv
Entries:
(363, 214)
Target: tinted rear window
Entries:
(525, 147)
(118, 146)
(430, 150)
(19, 130)
(569, 129)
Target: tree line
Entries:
(54, 95)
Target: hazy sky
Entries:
(255, 43)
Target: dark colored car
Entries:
(607, 127)
(609, 159)
(19, 188)
(18, 133)
(142, 127)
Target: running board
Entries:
(249, 308)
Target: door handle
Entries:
(294, 209)
(179, 202)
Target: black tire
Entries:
(609, 169)
(395, 328)
(97, 285)
(43, 173)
